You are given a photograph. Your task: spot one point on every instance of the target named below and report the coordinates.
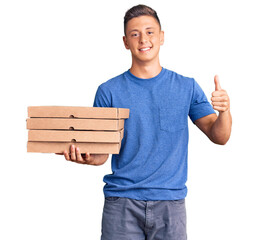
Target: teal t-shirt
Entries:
(152, 163)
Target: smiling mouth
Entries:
(144, 49)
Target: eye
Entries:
(150, 33)
(134, 34)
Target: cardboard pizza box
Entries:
(78, 112)
(75, 136)
(75, 124)
(53, 129)
(59, 147)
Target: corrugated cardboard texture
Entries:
(59, 147)
(76, 124)
(93, 129)
(75, 136)
(78, 112)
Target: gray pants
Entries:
(128, 219)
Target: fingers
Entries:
(87, 156)
(220, 104)
(79, 158)
(76, 156)
(217, 83)
(223, 98)
(220, 93)
(220, 108)
(72, 151)
(66, 155)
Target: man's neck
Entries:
(146, 70)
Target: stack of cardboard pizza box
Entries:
(53, 129)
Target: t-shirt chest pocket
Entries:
(173, 119)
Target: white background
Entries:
(58, 52)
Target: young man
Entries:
(144, 196)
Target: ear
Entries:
(161, 37)
(125, 42)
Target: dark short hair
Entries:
(137, 11)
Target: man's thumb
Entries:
(217, 84)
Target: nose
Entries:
(143, 38)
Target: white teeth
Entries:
(144, 49)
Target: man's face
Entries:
(143, 38)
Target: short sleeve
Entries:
(200, 107)
(102, 98)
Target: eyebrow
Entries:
(138, 30)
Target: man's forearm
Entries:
(221, 129)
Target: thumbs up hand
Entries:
(220, 99)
